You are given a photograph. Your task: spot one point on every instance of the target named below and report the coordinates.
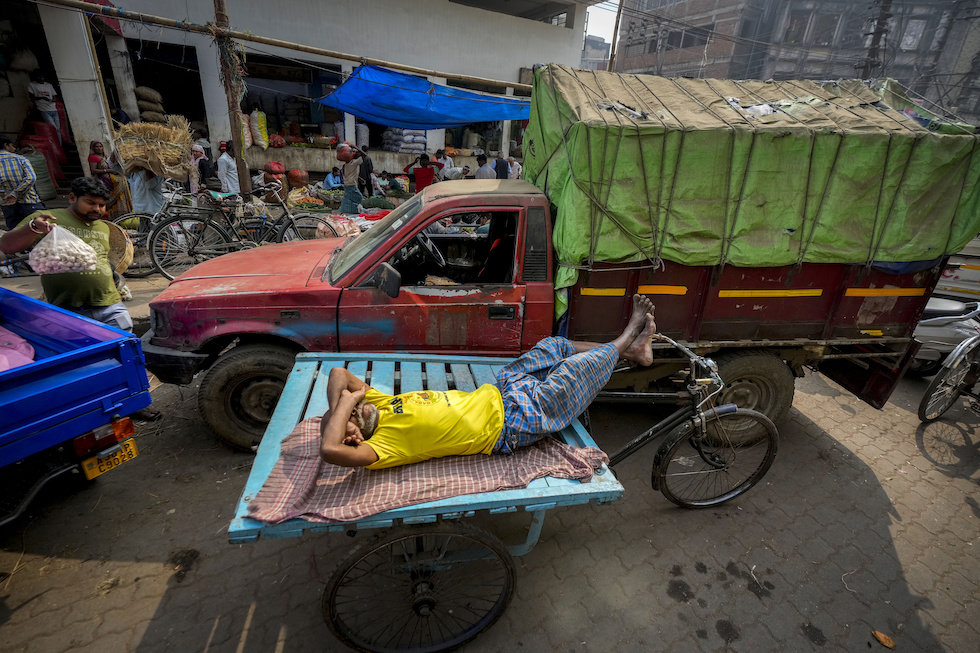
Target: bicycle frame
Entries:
(699, 390)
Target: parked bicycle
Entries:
(957, 376)
(138, 226)
(710, 454)
(187, 235)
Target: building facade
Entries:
(595, 54)
(930, 46)
(97, 66)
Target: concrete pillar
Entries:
(435, 139)
(349, 135)
(122, 74)
(505, 132)
(215, 102)
(71, 53)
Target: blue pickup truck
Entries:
(66, 412)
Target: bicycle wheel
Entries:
(430, 588)
(948, 384)
(702, 468)
(305, 227)
(178, 244)
(138, 226)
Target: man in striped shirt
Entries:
(17, 179)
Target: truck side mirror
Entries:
(387, 279)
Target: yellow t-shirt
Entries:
(427, 424)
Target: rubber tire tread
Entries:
(354, 555)
(211, 400)
(734, 365)
(935, 382)
(667, 451)
(160, 226)
(287, 225)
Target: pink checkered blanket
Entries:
(302, 485)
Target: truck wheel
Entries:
(758, 380)
(239, 393)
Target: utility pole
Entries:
(232, 81)
(612, 55)
(881, 28)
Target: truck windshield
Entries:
(354, 251)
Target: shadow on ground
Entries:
(807, 560)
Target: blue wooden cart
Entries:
(439, 580)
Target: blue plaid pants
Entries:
(548, 387)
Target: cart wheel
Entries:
(427, 588)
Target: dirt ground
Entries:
(868, 521)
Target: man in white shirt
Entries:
(43, 95)
(450, 174)
(515, 168)
(445, 160)
(484, 171)
(228, 169)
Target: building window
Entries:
(940, 32)
(913, 34)
(557, 20)
(824, 29)
(854, 31)
(796, 29)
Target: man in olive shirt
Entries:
(92, 293)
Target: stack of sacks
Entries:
(150, 103)
(396, 139)
(361, 134)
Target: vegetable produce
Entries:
(62, 251)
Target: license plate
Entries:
(94, 467)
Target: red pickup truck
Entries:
(398, 287)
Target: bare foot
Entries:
(640, 351)
(642, 306)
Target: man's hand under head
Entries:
(341, 440)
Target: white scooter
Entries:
(945, 324)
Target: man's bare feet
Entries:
(640, 351)
(642, 306)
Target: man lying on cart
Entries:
(539, 393)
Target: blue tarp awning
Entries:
(396, 99)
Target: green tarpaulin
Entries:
(745, 173)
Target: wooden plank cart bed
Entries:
(439, 581)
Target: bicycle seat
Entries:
(221, 196)
(941, 307)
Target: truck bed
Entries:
(84, 374)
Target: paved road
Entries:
(867, 521)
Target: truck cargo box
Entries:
(707, 172)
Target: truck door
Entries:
(458, 291)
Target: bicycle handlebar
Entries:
(696, 360)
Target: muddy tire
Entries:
(758, 380)
(240, 392)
